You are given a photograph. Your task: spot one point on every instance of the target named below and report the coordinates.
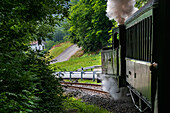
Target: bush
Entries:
(49, 88)
(27, 84)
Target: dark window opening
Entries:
(115, 40)
(139, 40)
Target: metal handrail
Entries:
(78, 75)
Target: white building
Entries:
(36, 46)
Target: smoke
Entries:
(109, 84)
(120, 10)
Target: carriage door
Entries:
(116, 62)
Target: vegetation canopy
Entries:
(89, 24)
(26, 82)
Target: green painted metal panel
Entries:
(139, 18)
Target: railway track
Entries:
(85, 86)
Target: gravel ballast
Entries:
(123, 105)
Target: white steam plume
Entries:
(109, 84)
(120, 10)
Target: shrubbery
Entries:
(26, 82)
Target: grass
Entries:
(75, 63)
(73, 105)
(88, 81)
(79, 53)
(84, 81)
(54, 52)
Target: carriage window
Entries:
(116, 40)
(139, 40)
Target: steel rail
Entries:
(76, 87)
(86, 84)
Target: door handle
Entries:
(153, 66)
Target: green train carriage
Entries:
(133, 54)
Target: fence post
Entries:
(82, 75)
(94, 76)
(59, 74)
(70, 75)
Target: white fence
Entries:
(78, 75)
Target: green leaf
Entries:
(28, 110)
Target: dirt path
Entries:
(64, 56)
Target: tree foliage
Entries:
(89, 24)
(59, 34)
(26, 82)
(140, 3)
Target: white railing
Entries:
(78, 75)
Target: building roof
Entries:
(36, 42)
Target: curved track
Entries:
(83, 86)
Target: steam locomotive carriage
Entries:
(132, 55)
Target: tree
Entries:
(25, 79)
(140, 3)
(59, 34)
(89, 24)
